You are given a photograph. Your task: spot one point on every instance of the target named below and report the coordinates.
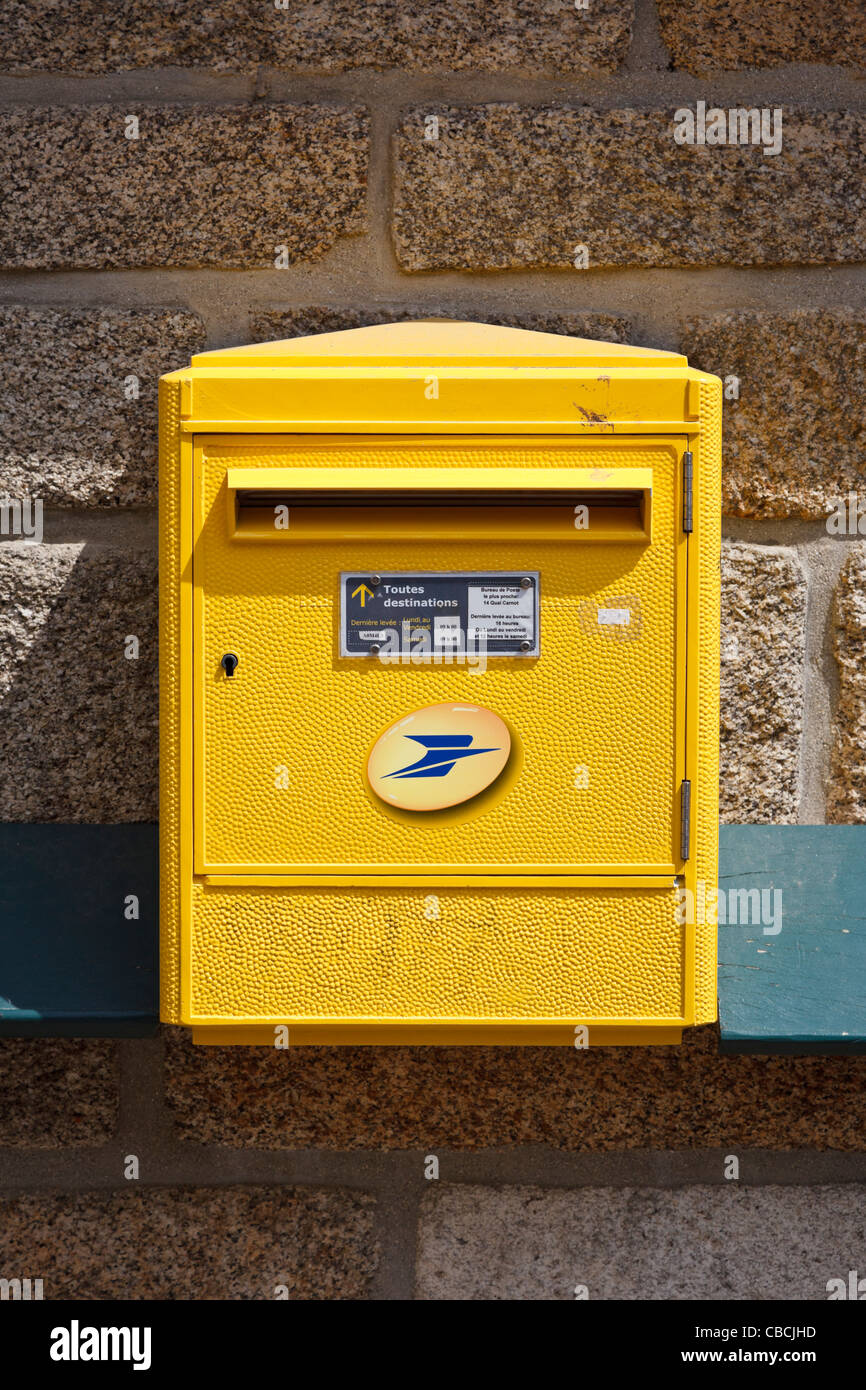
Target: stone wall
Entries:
(204, 175)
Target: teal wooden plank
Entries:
(71, 962)
(797, 985)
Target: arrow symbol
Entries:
(364, 592)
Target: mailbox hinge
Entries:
(688, 520)
(685, 818)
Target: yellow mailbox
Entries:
(439, 689)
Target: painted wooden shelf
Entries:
(801, 989)
(71, 961)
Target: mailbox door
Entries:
(595, 707)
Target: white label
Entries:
(614, 617)
(502, 611)
(446, 632)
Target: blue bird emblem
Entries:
(443, 751)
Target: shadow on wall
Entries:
(78, 682)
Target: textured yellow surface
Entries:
(272, 954)
(170, 771)
(591, 701)
(453, 961)
(708, 518)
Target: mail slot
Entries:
(439, 685)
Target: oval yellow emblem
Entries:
(438, 756)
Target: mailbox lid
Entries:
(424, 342)
(597, 718)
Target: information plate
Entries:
(472, 612)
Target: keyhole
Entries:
(229, 663)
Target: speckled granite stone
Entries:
(507, 186)
(72, 429)
(191, 1243)
(78, 736)
(763, 647)
(329, 35)
(795, 439)
(709, 34)
(268, 325)
(57, 1092)
(846, 796)
(201, 186)
(725, 1242)
(431, 1098)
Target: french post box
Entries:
(439, 689)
